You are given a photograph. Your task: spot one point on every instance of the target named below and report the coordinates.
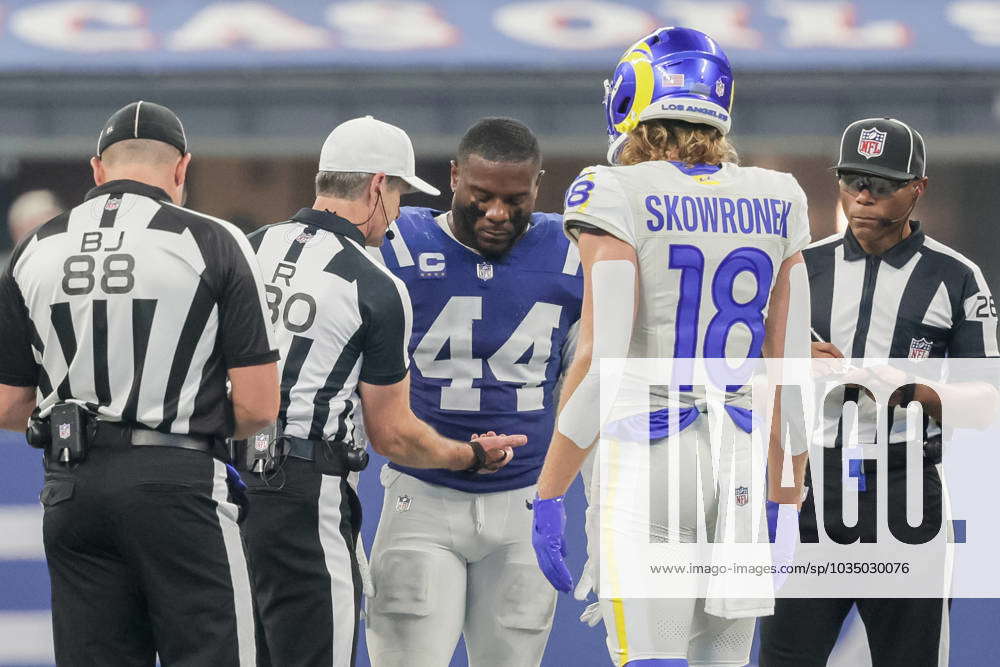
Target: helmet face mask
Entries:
(673, 73)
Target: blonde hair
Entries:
(690, 143)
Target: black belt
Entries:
(329, 460)
(116, 434)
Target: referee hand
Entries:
(826, 351)
(499, 449)
(829, 360)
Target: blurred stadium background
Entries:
(260, 84)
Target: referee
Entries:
(883, 289)
(343, 325)
(122, 320)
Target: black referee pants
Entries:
(301, 534)
(901, 632)
(145, 558)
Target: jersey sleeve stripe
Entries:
(251, 264)
(398, 244)
(572, 263)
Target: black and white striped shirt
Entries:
(918, 299)
(135, 308)
(340, 317)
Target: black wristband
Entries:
(480, 454)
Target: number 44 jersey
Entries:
(709, 240)
(489, 336)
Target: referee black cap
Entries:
(143, 120)
(882, 147)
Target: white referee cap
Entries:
(370, 146)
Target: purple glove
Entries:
(550, 546)
(237, 492)
(772, 519)
(783, 542)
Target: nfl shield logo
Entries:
(920, 348)
(403, 503)
(261, 441)
(306, 236)
(112, 204)
(64, 431)
(871, 143)
(484, 271)
(720, 88)
(742, 496)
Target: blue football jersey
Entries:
(488, 337)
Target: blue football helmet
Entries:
(678, 73)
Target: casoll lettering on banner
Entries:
(768, 34)
(871, 143)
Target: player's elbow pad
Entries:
(798, 325)
(613, 290)
(580, 419)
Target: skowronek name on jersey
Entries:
(744, 215)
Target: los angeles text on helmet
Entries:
(690, 108)
(730, 402)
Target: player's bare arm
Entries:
(776, 336)
(396, 433)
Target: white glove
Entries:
(592, 614)
(586, 583)
(367, 585)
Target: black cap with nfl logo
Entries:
(882, 147)
(143, 120)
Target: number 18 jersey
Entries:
(709, 241)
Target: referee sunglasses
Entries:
(878, 186)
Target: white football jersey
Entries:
(709, 244)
